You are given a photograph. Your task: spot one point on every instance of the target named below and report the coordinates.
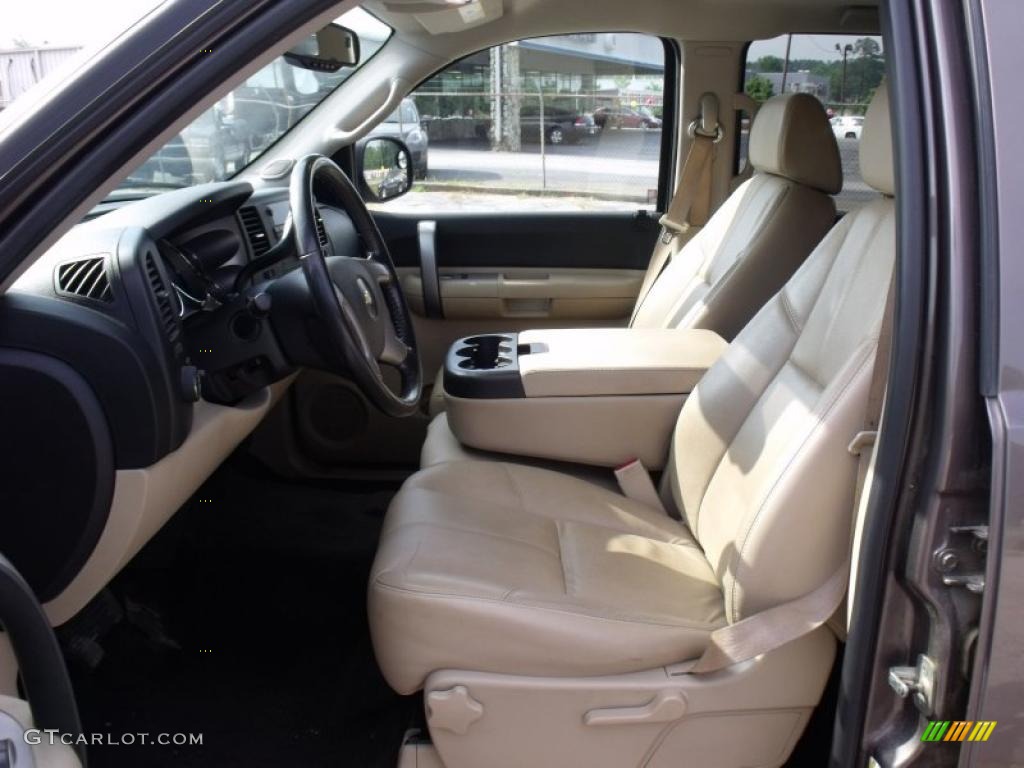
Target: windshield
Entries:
(236, 130)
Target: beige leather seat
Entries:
(529, 600)
(757, 238)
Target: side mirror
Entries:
(330, 49)
(385, 169)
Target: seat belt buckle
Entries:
(862, 441)
(636, 484)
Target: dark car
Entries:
(561, 126)
(405, 124)
(211, 148)
(624, 117)
(276, 97)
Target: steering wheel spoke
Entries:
(358, 301)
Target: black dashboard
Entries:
(109, 340)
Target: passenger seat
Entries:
(755, 241)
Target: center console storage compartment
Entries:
(594, 396)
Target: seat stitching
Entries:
(568, 582)
(824, 412)
(699, 625)
(790, 312)
(515, 488)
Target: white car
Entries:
(847, 127)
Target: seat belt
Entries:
(773, 628)
(636, 484)
(690, 206)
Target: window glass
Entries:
(842, 71)
(236, 130)
(555, 123)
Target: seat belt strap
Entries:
(690, 206)
(773, 628)
(636, 484)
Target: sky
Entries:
(68, 22)
(804, 47)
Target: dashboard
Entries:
(143, 328)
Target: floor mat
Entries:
(261, 588)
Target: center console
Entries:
(593, 396)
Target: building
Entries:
(22, 68)
(800, 82)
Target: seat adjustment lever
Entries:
(663, 708)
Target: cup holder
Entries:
(485, 366)
(486, 353)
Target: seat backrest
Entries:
(760, 469)
(761, 234)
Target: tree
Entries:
(767, 64)
(865, 70)
(866, 47)
(759, 88)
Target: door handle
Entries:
(663, 708)
(426, 232)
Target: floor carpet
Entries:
(245, 621)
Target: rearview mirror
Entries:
(385, 169)
(330, 49)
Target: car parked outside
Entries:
(405, 124)
(276, 97)
(847, 126)
(214, 146)
(560, 126)
(625, 117)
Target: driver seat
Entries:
(549, 619)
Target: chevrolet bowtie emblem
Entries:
(364, 290)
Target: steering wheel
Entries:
(358, 299)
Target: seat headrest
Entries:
(792, 137)
(876, 165)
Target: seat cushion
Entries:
(442, 446)
(497, 567)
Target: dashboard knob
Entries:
(191, 383)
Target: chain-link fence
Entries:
(521, 142)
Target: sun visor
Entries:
(439, 17)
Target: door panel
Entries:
(570, 240)
(521, 293)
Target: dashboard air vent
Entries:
(85, 278)
(168, 319)
(255, 230)
(321, 231)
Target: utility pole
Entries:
(785, 64)
(845, 50)
(505, 102)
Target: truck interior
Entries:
(335, 479)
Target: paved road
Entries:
(617, 162)
(622, 164)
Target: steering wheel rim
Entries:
(358, 299)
